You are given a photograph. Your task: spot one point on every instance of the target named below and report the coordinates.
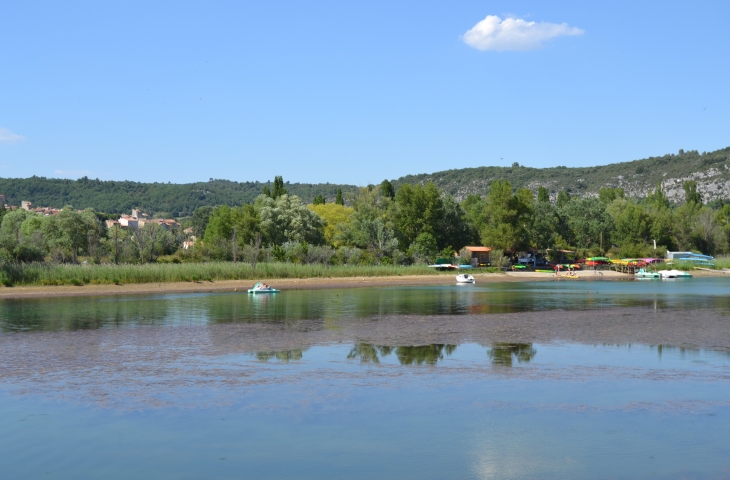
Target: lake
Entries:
(552, 379)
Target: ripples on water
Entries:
(542, 380)
(69, 313)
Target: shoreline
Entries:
(314, 283)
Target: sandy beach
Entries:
(304, 283)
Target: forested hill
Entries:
(158, 198)
(710, 170)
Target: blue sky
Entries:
(354, 92)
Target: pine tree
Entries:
(279, 189)
(339, 200)
(691, 195)
(563, 198)
(386, 189)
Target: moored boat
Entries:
(675, 274)
(465, 278)
(646, 274)
(261, 287)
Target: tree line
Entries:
(181, 200)
(381, 224)
(162, 199)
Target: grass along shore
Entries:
(44, 274)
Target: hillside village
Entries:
(137, 219)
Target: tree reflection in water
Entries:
(504, 354)
(407, 355)
(283, 355)
(369, 353)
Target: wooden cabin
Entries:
(479, 256)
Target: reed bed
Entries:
(45, 274)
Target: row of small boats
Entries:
(466, 278)
(665, 274)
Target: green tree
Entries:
(683, 225)
(507, 217)
(691, 195)
(229, 229)
(455, 230)
(474, 207)
(424, 247)
(200, 219)
(662, 228)
(722, 219)
(563, 198)
(706, 233)
(20, 236)
(369, 227)
(287, 219)
(68, 233)
(609, 194)
(10, 230)
(545, 224)
(657, 199)
(338, 199)
(419, 209)
(318, 200)
(543, 196)
(333, 215)
(632, 224)
(220, 224)
(589, 222)
(386, 189)
(279, 189)
(153, 241)
(95, 231)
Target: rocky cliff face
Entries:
(711, 171)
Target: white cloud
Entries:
(493, 33)
(6, 136)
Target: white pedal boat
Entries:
(675, 274)
(646, 274)
(465, 278)
(262, 288)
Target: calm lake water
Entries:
(556, 379)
